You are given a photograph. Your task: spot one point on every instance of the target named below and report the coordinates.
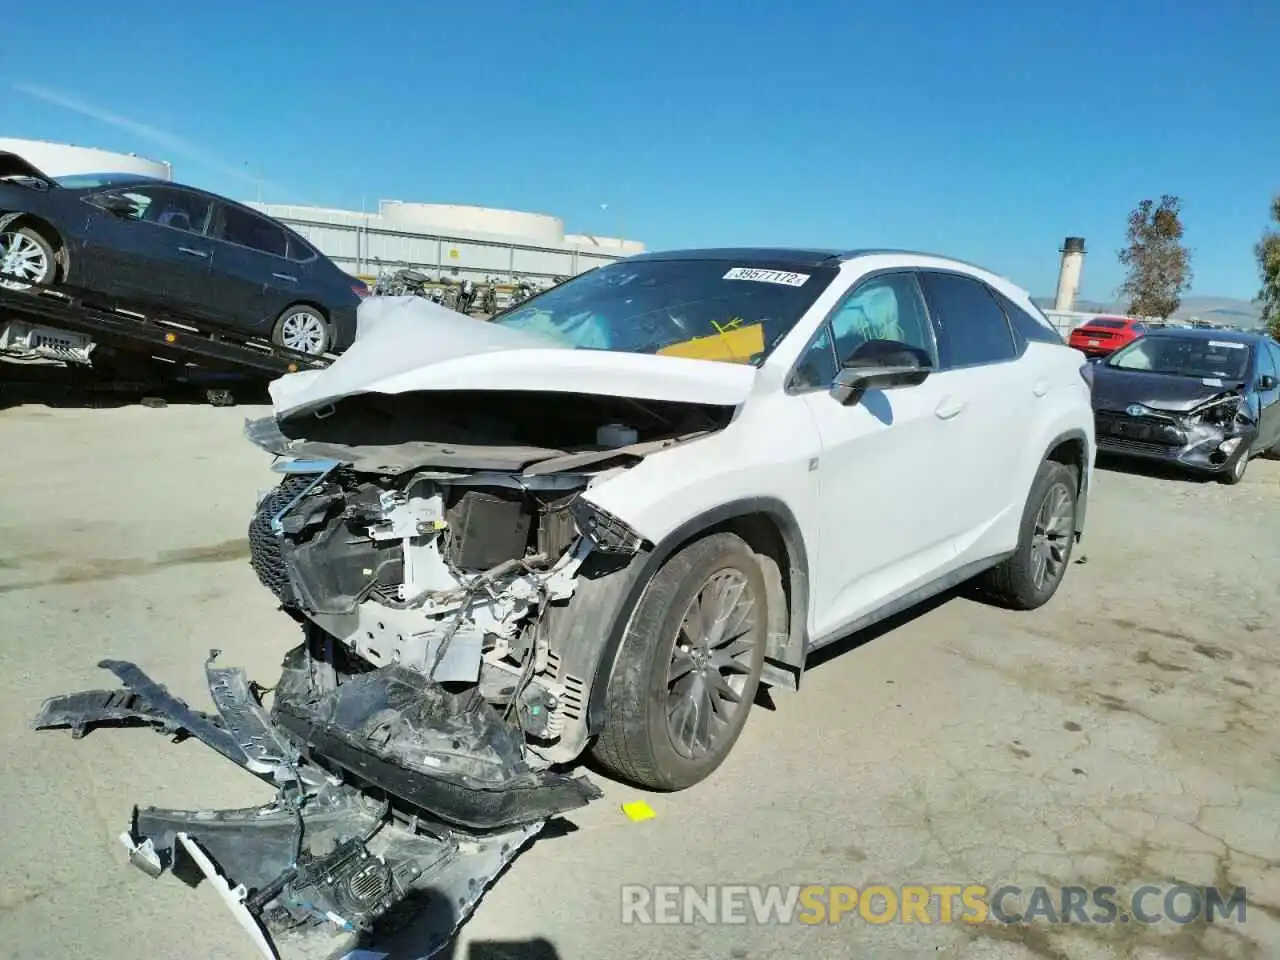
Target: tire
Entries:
(1018, 582)
(1235, 473)
(638, 743)
(304, 329)
(29, 254)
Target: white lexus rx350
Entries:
(606, 517)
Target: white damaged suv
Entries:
(601, 520)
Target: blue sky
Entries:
(986, 131)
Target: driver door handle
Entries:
(949, 408)
(193, 253)
(285, 276)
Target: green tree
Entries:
(1158, 266)
(1268, 253)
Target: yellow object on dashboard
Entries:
(731, 344)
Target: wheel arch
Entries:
(1071, 448)
(768, 526)
(48, 231)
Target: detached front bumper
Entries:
(397, 806)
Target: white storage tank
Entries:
(64, 159)
(435, 218)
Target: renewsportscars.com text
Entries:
(929, 904)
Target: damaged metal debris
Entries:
(439, 800)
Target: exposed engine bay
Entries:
(449, 577)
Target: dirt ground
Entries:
(1125, 734)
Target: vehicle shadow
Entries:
(79, 388)
(1153, 469)
(862, 637)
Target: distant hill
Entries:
(1224, 310)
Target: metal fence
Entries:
(368, 251)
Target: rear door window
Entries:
(247, 229)
(972, 328)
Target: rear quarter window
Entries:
(1025, 325)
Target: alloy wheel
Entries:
(21, 257)
(304, 332)
(1051, 538)
(711, 663)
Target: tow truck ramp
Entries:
(68, 324)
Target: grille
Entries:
(1147, 430)
(1119, 445)
(264, 548)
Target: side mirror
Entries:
(880, 365)
(115, 204)
(1267, 383)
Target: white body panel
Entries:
(890, 494)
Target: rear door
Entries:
(991, 396)
(252, 267)
(159, 253)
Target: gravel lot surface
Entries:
(1125, 734)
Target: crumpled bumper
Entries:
(396, 807)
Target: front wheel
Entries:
(688, 668)
(1031, 576)
(303, 329)
(26, 259)
(1235, 473)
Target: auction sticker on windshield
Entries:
(1226, 343)
(767, 276)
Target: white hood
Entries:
(407, 344)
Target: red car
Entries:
(1105, 335)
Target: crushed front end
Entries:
(412, 733)
(1206, 436)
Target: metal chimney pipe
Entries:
(1069, 273)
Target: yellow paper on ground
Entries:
(737, 345)
(638, 810)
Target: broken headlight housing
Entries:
(606, 532)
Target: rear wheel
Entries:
(303, 329)
(26, 259)
(688, 668)
(1031, 576)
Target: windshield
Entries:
(704, 309)
(1185, 357)
(89, 181)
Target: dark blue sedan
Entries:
(1206, 400)
(174, 248)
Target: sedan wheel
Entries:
(26, 259)
(304, 330)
